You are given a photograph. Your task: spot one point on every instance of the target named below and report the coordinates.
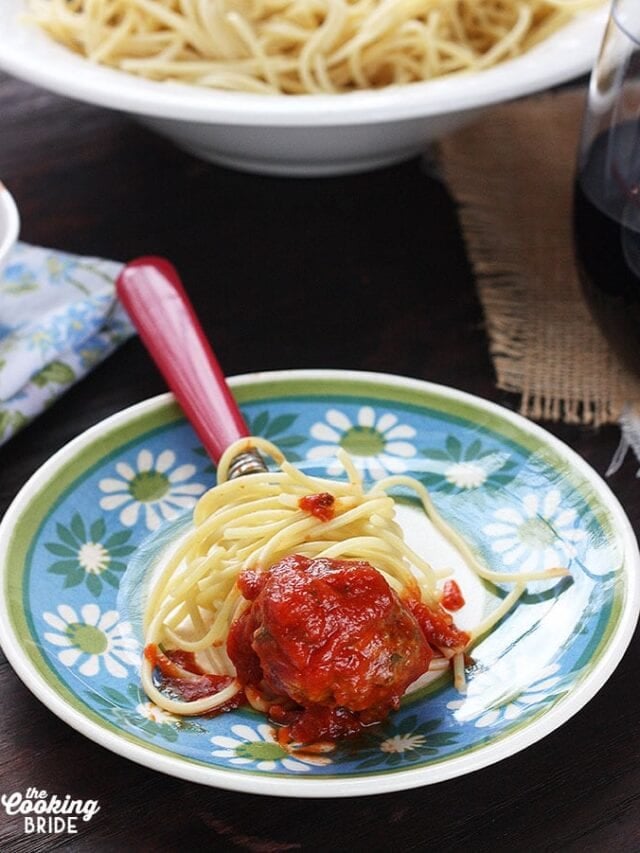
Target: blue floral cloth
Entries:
(59, 316)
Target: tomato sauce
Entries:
(332, 637)
(452, 599)
(326, 647)
(170, 665)
(321, 505)
(437, 626)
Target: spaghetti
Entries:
(246, 531)
(301, 46)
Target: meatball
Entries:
(330, 633)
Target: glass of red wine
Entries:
(607, 189)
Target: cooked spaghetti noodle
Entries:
(254, 521)
(301, 46)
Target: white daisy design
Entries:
(466, 475)
(539, 535)
(540, 691)
(473, 473)
(92, 639)
(402, 743)
(150, 711)
(260, 747)
(377, 443)
(152, 487)
(93, 557)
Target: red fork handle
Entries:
(153, 296)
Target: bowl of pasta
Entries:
(300, 89)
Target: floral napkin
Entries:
(59, 316)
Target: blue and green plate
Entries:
(520, 497)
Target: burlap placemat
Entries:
(512, 175)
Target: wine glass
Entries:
(607, 189)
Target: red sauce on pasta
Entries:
(437, 626)
(322, 505)
(329, 646)
(325, 647)
(171, 666)
(452, 599)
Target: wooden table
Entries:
(365, 272)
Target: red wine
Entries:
(607, 237)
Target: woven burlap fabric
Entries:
(512, 175)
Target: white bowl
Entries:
(305, 134)
(9, 225)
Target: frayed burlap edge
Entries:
(511, 174)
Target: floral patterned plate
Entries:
(521, 498)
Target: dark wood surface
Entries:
(362, 272)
